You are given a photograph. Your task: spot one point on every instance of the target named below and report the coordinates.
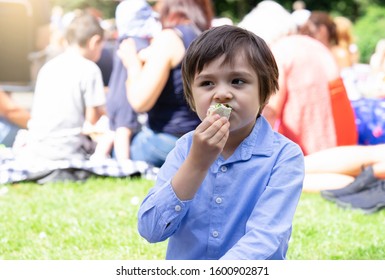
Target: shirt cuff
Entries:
(169, 204)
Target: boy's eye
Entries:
(238, 81)
(206, 83)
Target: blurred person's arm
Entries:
(146, 81)
(13, 112)
(93, 114)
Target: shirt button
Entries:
(215, 234)
(178, 208)
(223, 168)
(218, 200)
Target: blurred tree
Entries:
(367, 15)
(107, 7)
(352, 9)
(236, 9)
(369, 29)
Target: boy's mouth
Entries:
(224, 110)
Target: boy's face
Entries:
(236, 85)
(95, 48)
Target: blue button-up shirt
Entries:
(244, 208)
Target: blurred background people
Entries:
(377, 71)
(69, 90)
(335, 34)
(377, 59)
(301, 109)
(134, 19)
(300, 14)
(348, 50)
(154, 84)
(337, 167)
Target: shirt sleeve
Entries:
(94, 88)
(161, 211)
(268, 228)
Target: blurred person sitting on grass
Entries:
(134, 19)
(154, 84)
(352, 176)
(69, 91)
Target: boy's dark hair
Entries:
(230, 40)
(82, 28)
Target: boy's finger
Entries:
(221, 133)
(215, 128)
(207, 122)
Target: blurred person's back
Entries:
(69, 91)
(307, 116)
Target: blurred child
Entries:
(69, 91)
(229, 189)
(134, 19)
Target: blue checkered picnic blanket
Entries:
(14, 170)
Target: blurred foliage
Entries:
(236, 9)
(352, 9)
(366, 15)
(368, 30)
(106, 7)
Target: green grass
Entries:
(323, 231)
(96, 220)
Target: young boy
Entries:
(69, 90)
(230, 188)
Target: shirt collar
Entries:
(259, 142)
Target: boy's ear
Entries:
(94, 41)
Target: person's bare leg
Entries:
(122, 143)
(346, 160)
(379, 169)
(104, 146)
(316, 182)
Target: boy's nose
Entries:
(223, 93)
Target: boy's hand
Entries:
(209, 140)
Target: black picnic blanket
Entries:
(13, 170)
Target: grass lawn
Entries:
(96, 220)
